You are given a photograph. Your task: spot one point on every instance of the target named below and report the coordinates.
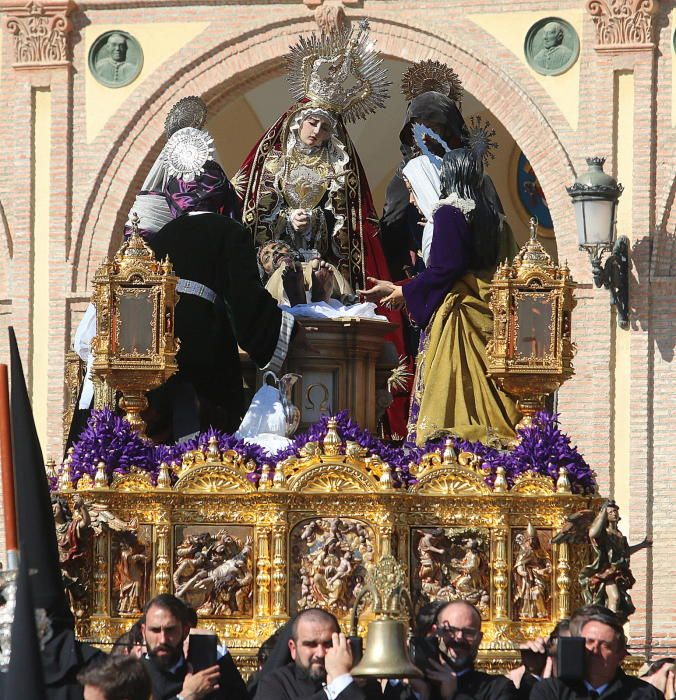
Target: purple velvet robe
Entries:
(450, 255)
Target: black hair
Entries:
(118, 678)
(131, 638)
(171, 603)
(426, 617)
(191, 614)
(554, 636)
(597, 613)
(316, 613)
(462, 173)
(63, 503)
(266, 647)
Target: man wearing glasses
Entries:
(452, 676)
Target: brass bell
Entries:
(386, 653)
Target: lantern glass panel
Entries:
(136, 322)
(534, 337)
(595, 220)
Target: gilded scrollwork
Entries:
(312, 542)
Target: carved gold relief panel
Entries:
(451, 563)
(330, 558)
(213, 569)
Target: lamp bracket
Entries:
(613, 274)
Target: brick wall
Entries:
(93, 186)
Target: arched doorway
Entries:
(228, 72)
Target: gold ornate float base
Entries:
(249, 555)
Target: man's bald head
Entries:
(311, 638)
(315, 615)
(443, 611)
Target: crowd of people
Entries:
(163, 655)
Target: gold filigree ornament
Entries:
(341, 72)
(431, 76)
(531, 352)
(134, 347)
(533, 484)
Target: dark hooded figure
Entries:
(399, 228)
(63, 656)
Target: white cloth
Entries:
(334, 309)
(153, 211)
(82, 343)
(423, 174)
(266, 413)
(265, 422)
(464, 204)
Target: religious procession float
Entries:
(318, 499)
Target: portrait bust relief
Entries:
(552, 46)
(115, 59)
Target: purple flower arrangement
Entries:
(543, 448)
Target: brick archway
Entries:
(228, 69)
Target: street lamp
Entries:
(595, 195)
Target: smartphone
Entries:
(202, 651)
(423, 649)
(571, 658)
(533, 661)
(357, 648)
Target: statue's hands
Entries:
(300, 220)
(338, 659)
(395, 300)
(380, 290)
(664, 679)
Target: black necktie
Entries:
(593, 695)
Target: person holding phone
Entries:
(449, 669)
(601, 675)
(166, 626)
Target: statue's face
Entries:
(118, 48)
(315, 131)
(271, 254)
(552, 36)
(613, 514)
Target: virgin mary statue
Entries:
(302, 183)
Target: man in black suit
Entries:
(606, 647)
(452, 675)
(165, 628)
(322, 661)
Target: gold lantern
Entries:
(134, 346)
(386, 652)
(531, 352)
